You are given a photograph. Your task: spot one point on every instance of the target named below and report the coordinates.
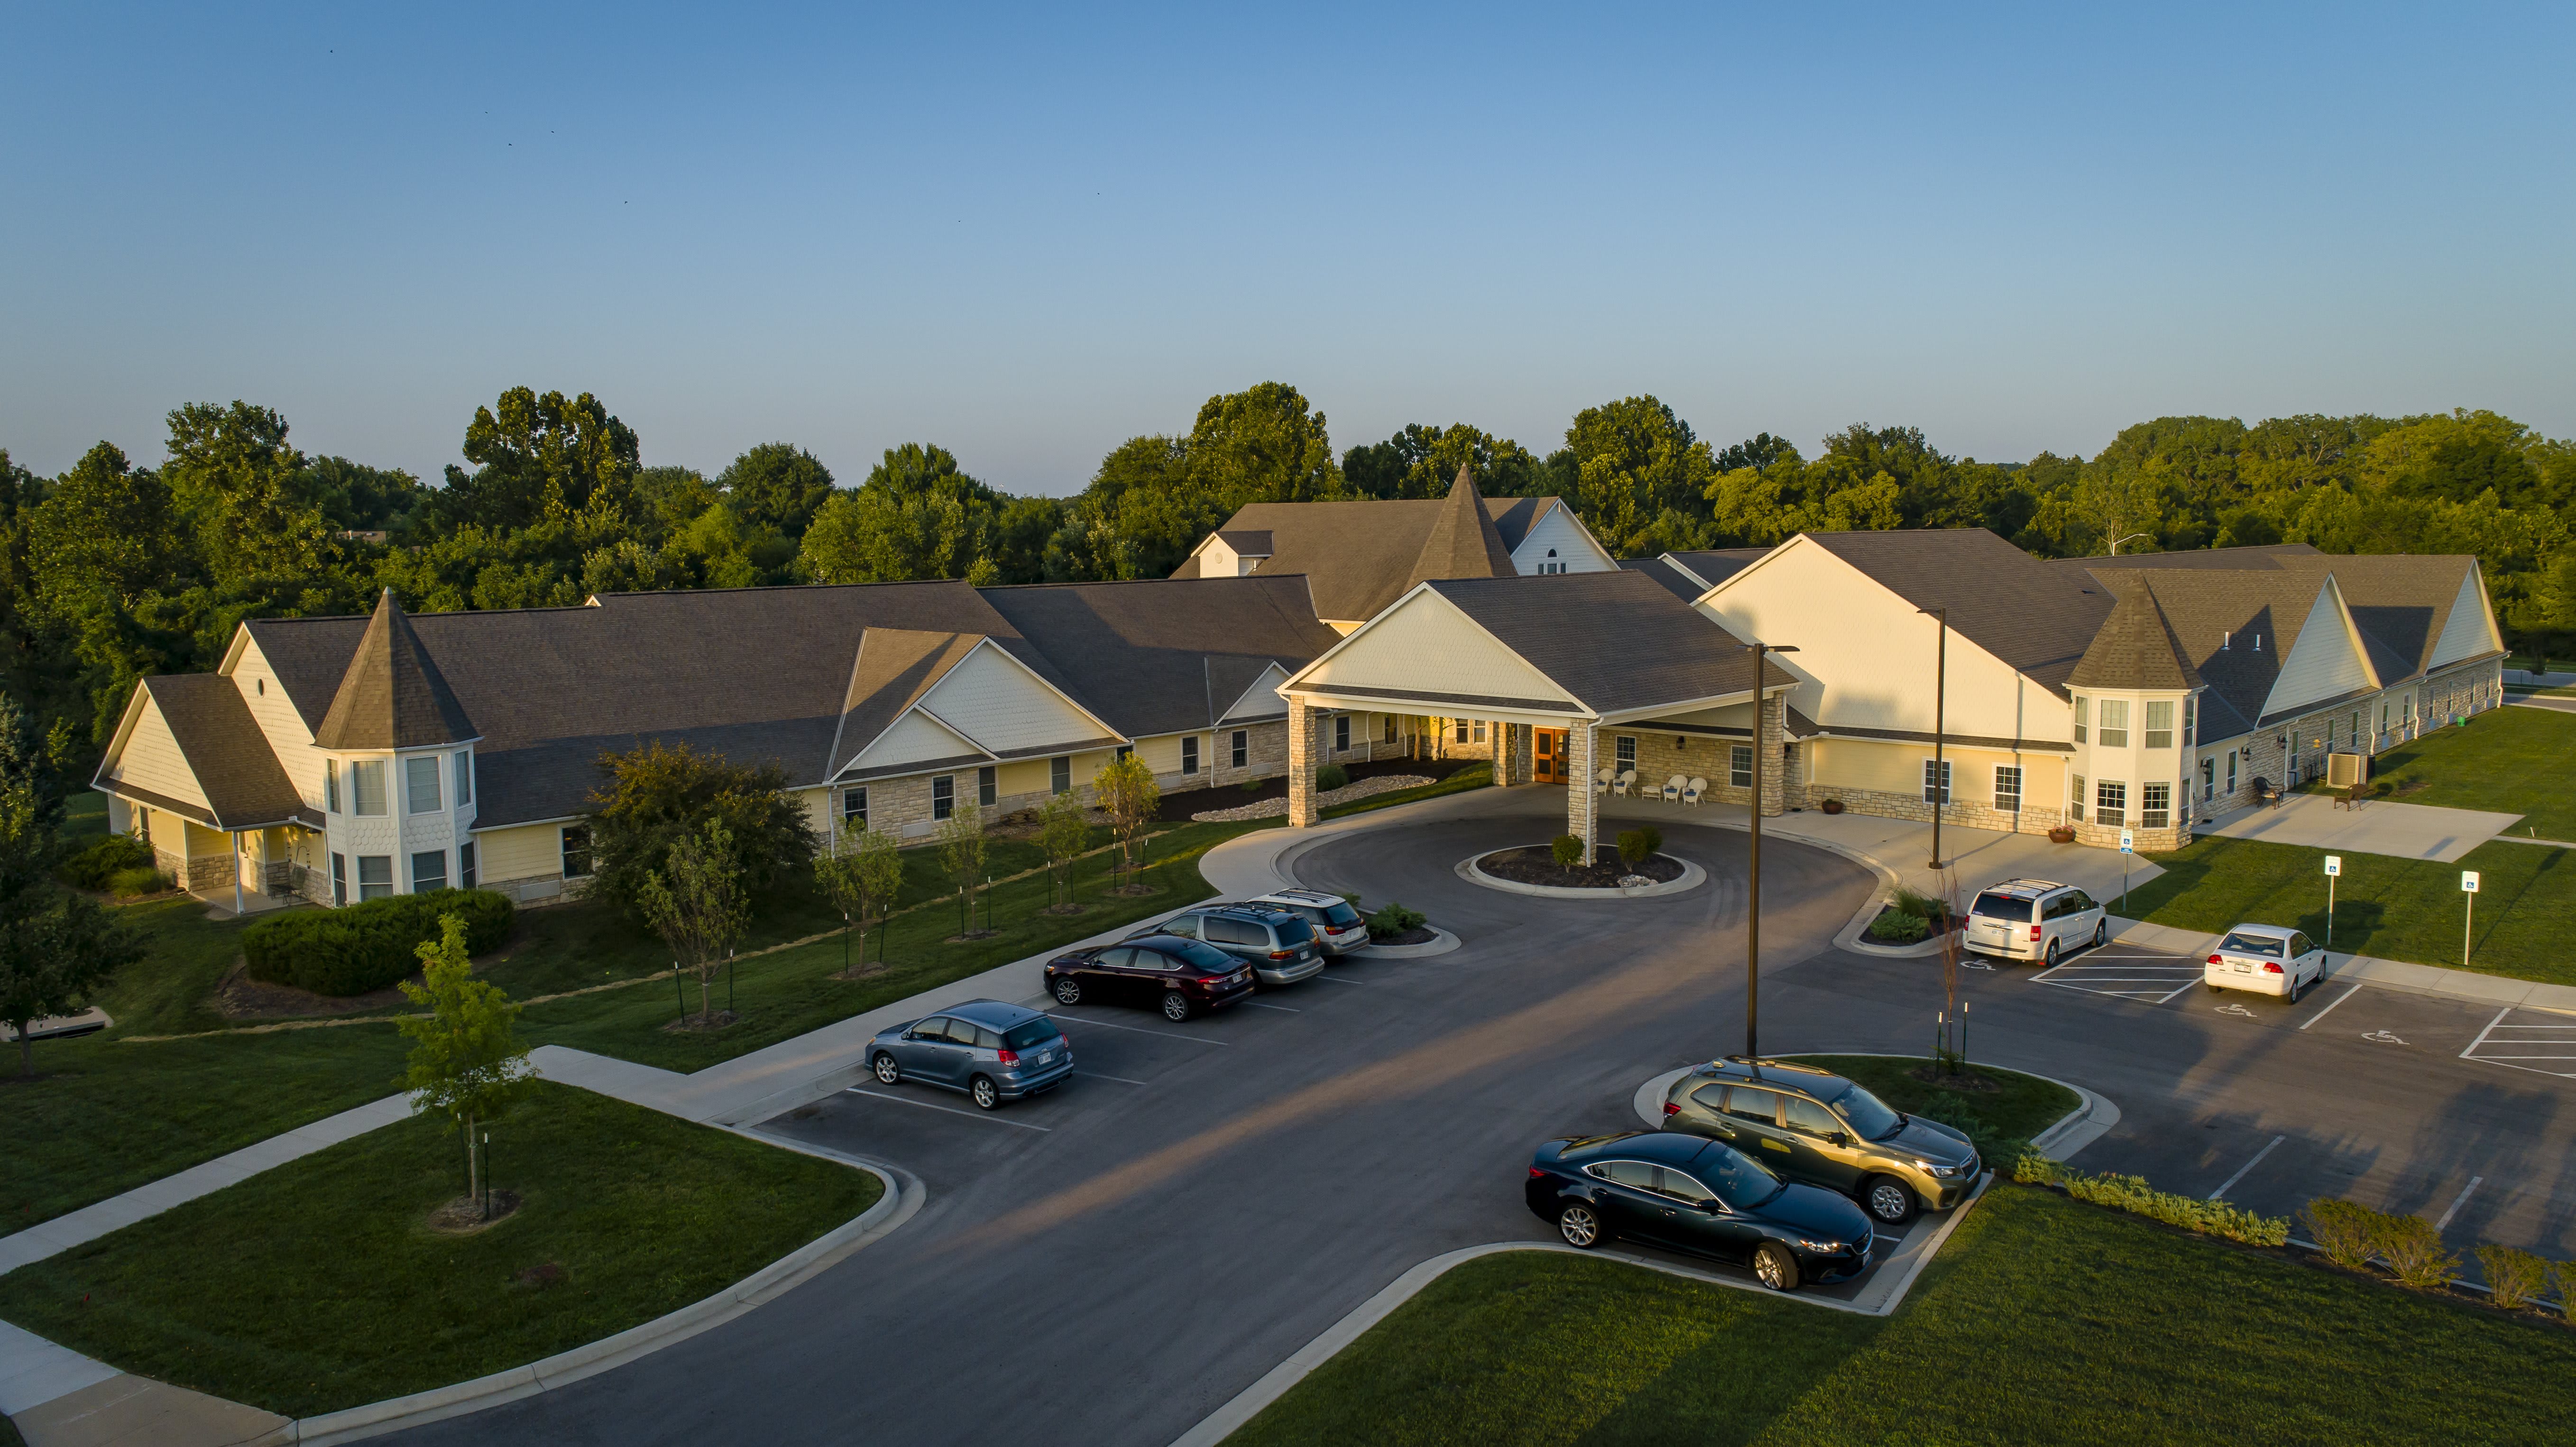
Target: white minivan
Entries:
(2034, 919)
(2266, 959)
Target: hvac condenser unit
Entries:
(2345, 770)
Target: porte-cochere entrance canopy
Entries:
(1585, 653)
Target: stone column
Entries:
(1582, 806)
(1773, 729)
(1504, 757)
(1302, 721)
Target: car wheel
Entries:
(888, 1073)
(1176, 1006)
(1581, 1226)
(2101, 933)
(2213, 989)
(986, 1095)
(1068, 991)
(2298, 987)
(2050, 959)
(1774, 1267)
(1888, 1199)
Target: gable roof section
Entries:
(392, 695)
(1359, 556)
(1162, 655)
(1671, 579)
(893, 669)
(1616, 642)
(2404, 603)
(242, 784)
(1712, 566)
(2036, 620)
(1235, 701)
(2235, 626)
(1513, 517)
(1246, 542)
(2135, 648)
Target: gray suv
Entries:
(1814, 1126)
(1278, 943)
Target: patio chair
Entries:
(1601, 780)
(1674, 787)
(1625, 786)
(1694, 791)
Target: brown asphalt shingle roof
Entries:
(1671, 579)
(227, 753)
(1617, 640)
(2217, 616)
(392, 695)
(2005, 601)
(2136, 647)
(1160, 656)
(1360, 556)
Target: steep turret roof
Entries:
(1463, 542)
(2135, 647)
(392, 696)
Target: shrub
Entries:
(98, 865)
(1900, 928)
(2515, 1279)
(2134, 1195)
(1632, 847)
(2345, 1232)
(127, 883)
(1567, 849)
(1331, 777)
(1394, 920)
(2414, 1253)
(2564, 1273)
(362, 947)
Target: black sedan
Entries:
(1177, 976)
(1700, 1196)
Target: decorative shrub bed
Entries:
(2133, 1194)
(362, 947)
(98, 866)
(1537, 864)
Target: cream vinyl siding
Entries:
(1574, 547)
(1028, 776)
(2326, 663)
(1262, 698)
(915, 738)
(148, 758)
(521, 853)
(1005, 706)
(279, 723)
(1426, 645)
(1162, 753)
(1868, 660)
(1733, 716)
(2469, 631)
(1855, 764)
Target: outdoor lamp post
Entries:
(1753, 887)
(1940, 701)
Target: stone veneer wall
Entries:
(1706, 756)
(2471, 688)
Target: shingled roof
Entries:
(1360, 556)
(1463, 542)
(1667, 652)
(392, 696)
(244, 785)
(2034, 618)
(2135, 648)
(1161, 656)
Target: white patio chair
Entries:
(1625, 786)
(1601, 780)
(1693, 792)
(1673, 788)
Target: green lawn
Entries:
(2510, 760)
(2001, 1120)
(2044, 1321)
(318, 1285)
(1474, 776)
(2398, 909)
(84, 816)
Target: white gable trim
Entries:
(1302, 681)
(959, 671)
(1958, 640)
(1259, 696)
(911, 723)
(981, 643)
(2307, 675)
(2470, 630)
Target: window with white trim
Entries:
(2008, 788)
(1386, 733)
(2075, 799)
(943, 796)
(2115, 723)
(987, 785)
(2110, 803)
(854, 808)
(1190, 755)
(2155, 806)
(1341, 732)
(428, 869)
(1060, 774)
(1462, 732)
(1480, 730)
(464, 777)
(367, 787)
(2160, 723)
(576, 851)
(339, 878)
(465, 866)
(1739, 765)
(420, 784)
(331, 785)
(1936, 780)
(2083, 711)
(375, 877)
(1627, 752)
(1242, 748)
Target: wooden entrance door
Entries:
(1547, 753)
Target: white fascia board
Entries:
(125, 723)
(2352, 635)
(1291, 686)
(1035, 677)
(1347, 639)
(1230, 709)
(980, 746)
(1674, 563)
(1749, 569)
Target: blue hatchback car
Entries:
(1701, 1196)
(991, 1050)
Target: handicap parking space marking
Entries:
(2383, 1037)
(2232, 1008)
(2330, 1009)
(2230, 1183)
(1062, 1019)
(2544, 1045)
(2146, 981)
(949, 1109)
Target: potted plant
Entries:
(2062, 834)
(1832, 806)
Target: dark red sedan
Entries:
(1177, 976)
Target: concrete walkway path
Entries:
(2401, 831)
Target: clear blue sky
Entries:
(1028, 235)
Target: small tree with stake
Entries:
(861, 877)
(698, 906)
(962, 850)
(467, 1059)
(1064, 828)
(55, 947)
(1125, 788)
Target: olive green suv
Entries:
(1814, 1126)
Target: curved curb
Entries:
(1852, 937)
(1440, 946)
(1692, 878)
(903, 1197)
(1274, 1384)
(2088, 1122)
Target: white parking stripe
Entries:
(2187, 984)
(1256, 1004)
(2328, 1010)
(2231, 1181)
(1338, 980)
(949, 1109)
(1060, 1018)
(2483, 1034)
(1096, 1075)
(2457, 1202)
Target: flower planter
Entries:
(1831, 806)
(2061, 835)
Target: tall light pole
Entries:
(1940, 722)
(1753, 889)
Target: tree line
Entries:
(111, 571)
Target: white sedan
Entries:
(2266, 959)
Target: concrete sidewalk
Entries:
(2400, 831)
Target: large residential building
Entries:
(342, 759)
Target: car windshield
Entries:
(1206, 957)
(2003, 907)
(1030, 1032)
(1738, 1180)
(2260, 946)
(1869, 1116)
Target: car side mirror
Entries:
(1840, 1139)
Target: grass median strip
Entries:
(2000, 1109)
(2043, 1321)
(2397, 909)
(320, 1285)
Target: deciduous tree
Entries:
(1125, 790)
(697, 904)
(467, 1061)
(861, 876)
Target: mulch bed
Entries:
(712, 1020)
(240, 997)
(1180, 804)
(464, 1215)
(1422, 936)
(1536, 864)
